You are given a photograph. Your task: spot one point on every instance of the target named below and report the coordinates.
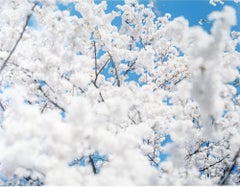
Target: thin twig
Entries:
(151, 159)
(102, 99)
(44, 107)
(19, 39)
(172, 77)
(211, 165)
(95, 57)
(98, 73)
(115, 69)
(1, 105)
(130, 68)
(51, 101)
(74, 85)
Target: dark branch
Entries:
(115, 69)
(130, 68)
(104, 65)
(151, 159)
(134, 122)
(224, 178)
(51, 101)
(97, 74)
(194, 152)
(92, 164)
(95, 58)
(100, 94)
(102, 99)
(211, 165)
(1, 105)
(44, 107)
(178, 81)
(19, 39)
(171, 78)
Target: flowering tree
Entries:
(87, 103)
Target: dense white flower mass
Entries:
(84, 102)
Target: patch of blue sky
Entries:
(112, 6)
(100, 53)
(32, 23)
(238, 46)
(235, 169)
(194, 10)
(40, 4)
(167, 140)
(78, 162)
(236, 84)
(84, 161)
(106, 73)
(5, 86)
(132, 76)
(41, 83)
(69, 7)
(168, 101)
(164, 155)
(63, 114)
(205, 144)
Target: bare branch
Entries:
(95, 57)
(44, 107)
(151, 159)
(102, 99)
(225, 177)
(98, 73)
(200, 150)
(164, 53)
(103, 66)
(178, 81)
(74, 85)
(116, 71)
(130, 68)
(100, 94)
(1, 105)
(171, 78)
(211, 165)
(92, 164)
(19, 39)
(50, 100)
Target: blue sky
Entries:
(193, 10)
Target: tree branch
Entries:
(92, 164)
(44, 107)
(225, 177)
(95, 58)
(51, 101)
(151, 159)
(171, 78)
(74, 85)
(130, 68)
(1, 105)
(115, 69)
(19, 39)
(211, 165)
(98, 73)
